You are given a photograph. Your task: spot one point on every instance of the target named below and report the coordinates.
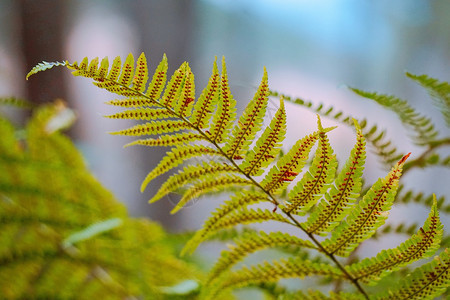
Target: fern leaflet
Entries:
(176, 157)
(249, 123)
(270, 272)
(317, 180)
(191, 173)
(421, 245)
(343, 193)
(240, 199)
(168, 140)
(203, 108)
(267, 146)
(209, 185)
(290, 165)
(252, 242)
(439, 92)
(226, 111)
(424, 283)
(367, 216)
(408, 115)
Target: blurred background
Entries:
(311, 49)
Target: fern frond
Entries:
(139, 81)
(425, 283)
(274, 271)
(343, 194)
(191, 173)
(159, 78)
(226, 111)
(239, 200)
(420, 125)
(317, 295)
(316, 180)
(208, 185)
(249, 123)
(176, 157)
(143, 114)
(203, 108)
(228, 217)
(421, 245)
(290, 165)
(126, 76)
(267, 146)
(174, 87)
(168, 140)
(137, 101)
(186, 98)
(252, 242)
(248, 216)
(385, 149)
(45, 66)
(156, 127)
(366, 217)
(439, 91)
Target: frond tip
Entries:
(45, 66)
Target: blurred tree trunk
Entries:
(42, 39)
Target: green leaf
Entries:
(272, 272)
(203, 108)
(174, 87)
(192, 173)
(158, 82)
(168, 140)
(226, 111)
(343, 194)
(267, 146)
(421, 126)
(127, 71)
(239, 200)
(252, 242)
(421, 245)
(176, 157)
(425, 283)
(153, 128)
(290, 165)
(316, 180)
(186, 98)
(140, 78)
(439, 91)
(143, 114)
(249, 123)
(45, 66)
(366, 217)
(211, 184)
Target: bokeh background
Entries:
(312, 49)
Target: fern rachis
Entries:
(352, 223)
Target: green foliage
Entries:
(62, 235)
(250, 169)
(439, 92)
